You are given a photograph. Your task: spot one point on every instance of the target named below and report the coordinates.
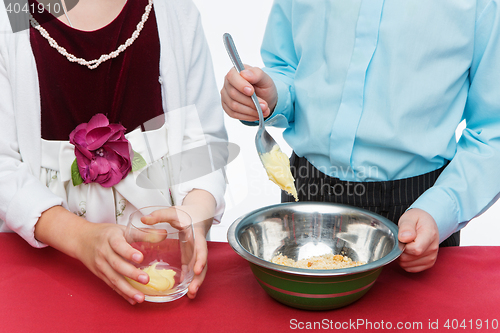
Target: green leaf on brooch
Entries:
(138, 162)
(75, 174)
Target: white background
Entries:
(248, 187)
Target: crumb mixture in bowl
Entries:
(325, 261)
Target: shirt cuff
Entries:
(26, 208)
(277, 118)
(442, 208)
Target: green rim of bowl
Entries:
(245, 220)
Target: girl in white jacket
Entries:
(40, 104)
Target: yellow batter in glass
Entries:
(277, 167)
(160, 281)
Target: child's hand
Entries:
(102, 248)
(171, 216)
(419, 231)
(99, 246)
(200, 266)
(238, 89)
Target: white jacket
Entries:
(187, 80)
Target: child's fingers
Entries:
(238, 82)
(200, 266)
(407, 228)
(416, 264)
(257, 77)
(112, 268)
(264, 107)
(120, 285)
(237, 102)
(242, 111)
(240, 116)
(122, 250)
(196, 283)
(120, 246)
(118, 291)
(241, 93)
(419, 230)
(176, 217)
(201, 259)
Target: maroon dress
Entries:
(126, 89)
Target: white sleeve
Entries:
(23, 197)
(204, 121)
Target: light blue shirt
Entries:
(373, 90)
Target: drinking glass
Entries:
(168, 250)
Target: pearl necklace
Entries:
(92, 64)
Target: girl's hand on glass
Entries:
(200, 266)
(101, 247)
(104, 250)
(200, 247)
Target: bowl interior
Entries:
(302, 230)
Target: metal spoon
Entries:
(264, 142)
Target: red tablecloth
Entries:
(42, 290)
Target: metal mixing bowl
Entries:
(302, 230)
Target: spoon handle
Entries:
(235, 58)
(233, 53)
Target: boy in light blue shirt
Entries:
(370, 93)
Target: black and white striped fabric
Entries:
(387, 198)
